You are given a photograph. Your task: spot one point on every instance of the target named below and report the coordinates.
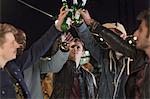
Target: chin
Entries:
(14, 57)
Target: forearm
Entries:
(90, 43)
(55, 64)
(116, 42)
(37, 49)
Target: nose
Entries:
(17, 45)
(75, 48)
(135, 33)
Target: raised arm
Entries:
(40, 47)
(116, 42)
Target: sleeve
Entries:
(116, 42)
(30, 56)
(90, 43)
(55, 64)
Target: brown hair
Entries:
(4, 29)
(145, 15)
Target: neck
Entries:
(2, 62)
(77, 62)
(147, 51)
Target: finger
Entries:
(62, 9)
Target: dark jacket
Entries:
(138, 82)
(107, 85)
(17, 66)
(63, 82)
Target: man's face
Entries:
(142, 41)
(21, 39)
(9, 48)
(75, 50)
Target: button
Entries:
(16, 73)
(3, 92)
(18, 69)
(17, 84)
(19, 79)
(26, 92)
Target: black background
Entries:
(35, 23)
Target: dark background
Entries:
(35, 23)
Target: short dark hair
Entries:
(4, 29)
(145, 15)
(79, 40)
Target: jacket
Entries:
(113, 80)
(27, 59)
(32, 74)
(63, 82)
(138, 82)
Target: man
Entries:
(115, 65)
(136, 85)
(8, 44)
(143, 43)
(42, 66)
(12, 81)
(72, 81)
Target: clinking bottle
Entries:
(77, 20)
(68, 19)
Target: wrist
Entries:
(64, 47)
(91, 22)
(58, 27)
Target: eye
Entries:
(73, 46)
(78, 47)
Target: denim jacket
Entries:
(27, 59)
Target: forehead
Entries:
(76, 43)
(143, 23)
(9, 37)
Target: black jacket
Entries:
(138, 82)
(106, 85)
(63, 82)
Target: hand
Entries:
(60, 19)
(66, 39)
(86, 16)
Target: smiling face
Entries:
(143, 37)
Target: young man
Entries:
(113, 63)
(12, 84)
(143, 43)
(42, 66)
(8, 44)
(72, 81)
(137, 84)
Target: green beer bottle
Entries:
(67, 20)
(77, 20)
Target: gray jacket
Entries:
(32, 74)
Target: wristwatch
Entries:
(63, 47)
